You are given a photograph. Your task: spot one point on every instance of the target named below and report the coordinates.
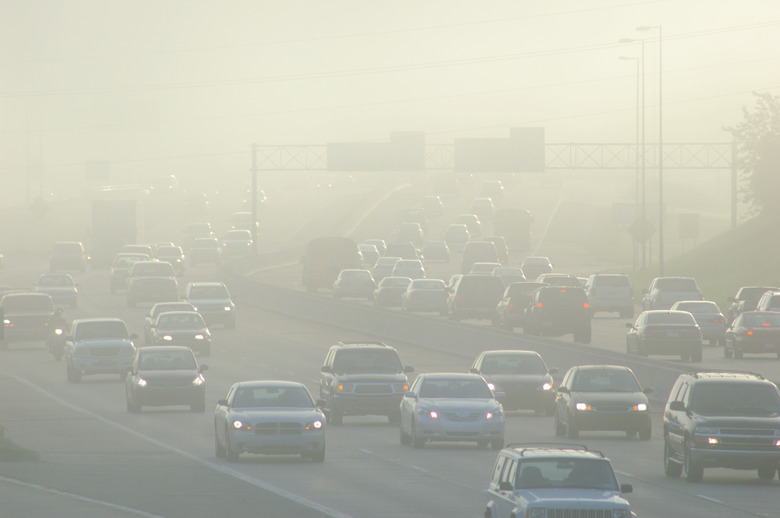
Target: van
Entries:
(477, 251)
(476, 296)
(610, 292)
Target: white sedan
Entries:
(451, 407)
(269, 417)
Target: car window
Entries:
(100, 329)
(166, 360)
(605, 380)
(455, 388)
(697, 307)
(566, 473)
(665, 317)
(513, 364)
(378, 360)
(760, 320)
(676, 284)
(271, 397)
(735, 399)
(180, 321)
(30, 302)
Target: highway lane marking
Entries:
(217, 467)
(624, 474)
(81, 498)
(710, 499)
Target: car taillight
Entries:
(719, 320)
(749, 333)
(585, 305)
(538, 304)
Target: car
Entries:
(354, 282)
(437, 251)
(120, 268)
(483, 207)
(559, 310)
(552, 481)
(212, 300)
(432, 205)
(452, 407)
(722, 419)
(27, 316)
(363, 378)
(204, 250)
(602, 398)
(510, 310)
(404, 250)
(755, 332)
(158, 308)
(559, 279)
(194, 231)
(745, 299)
(150, 268)
(410, 231)
(164, 376)
(522, 376)
(69, 256)
(147, 250)
(151, 289)
(384, 267)
(370, 255)
(663, 292)
(456, 236)
(61, 287)
(270, 417)
(98, 346)
(475, 296)
(414, 215)
(610, 292)
(237, 243)
(426, 295)
(769, 301)
(182, 328)
(472, 222)
(172, 254)
(389, 291)
(667, 332)
(243, 220)
(707, 316)
(380, 245)
(533, 266)
(484, 268)
(412, 268)
(502, 249)
(510, 274)
(478, 251)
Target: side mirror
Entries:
(626, 488)
(204, 368)
(474, 370)
(648, 390)
(408, 369)
(222, 402)
(505, 486)
(410, 394)
(553, 370)
(630, 325)
(564, 390)
(499, 395)
(677, 406)
(326, 368)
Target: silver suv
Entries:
(610, 292)
(539, 481)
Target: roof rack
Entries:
(696, 373)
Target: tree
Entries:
(758, 155)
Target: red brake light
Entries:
(585, 305)
(563, 291)
(538, 304)
(766, 324)
(749, 333)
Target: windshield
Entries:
(760, 320)
(367, 361)
(605, 380)
(566, 473)
(208, 292)
(152, 360)
(100, 329)
(673, 317)
(697, 307)
(513, 364)
(676, 284)
(31, 302)
(180, 321)
(271, 397)
(456, 388)
(55, 280)
(735, 399)
(153, 269)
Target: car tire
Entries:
(694, 472)
(766, 472)
(405, 439)
(319, 455)
(335, 416)
(230, 454)
(571, 431)
(497, 444)
(560, 430)
(219, 450)
(671, 468)
(645, 433)
(697, 355)
(417, 442)
(738, 353)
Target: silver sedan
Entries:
(269, 417)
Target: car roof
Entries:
(451, 375)
(268, 383)
(602, 367)
(163, 348)
(726, 375)
(554, 450)
(97, 319)
(510, 352)
(362, 345)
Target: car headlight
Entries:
(582, 406)
(537, 512)
(344, 387)
(547, 386)
(640, 407)
(237, 424)
(228, 308)
(492, 386)
(7, 322)
(316, 425)
(141, 382)
(167, 338)
(199, 381)
(200, 337)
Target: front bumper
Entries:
(443, 429)
(305, 443)
(353, 404)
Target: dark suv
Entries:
(361, 378)
(722, 419)
(26, 317)
(475, 296)
(559, 310)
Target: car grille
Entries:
(278, 429)
(456, 417)
(373, 389)
(579, 513)
(168, 383)
(612, 407)
(748, 439)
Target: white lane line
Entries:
(709, 499)
(624, 474)
(74, 496)
(418, 468)
(218, 467)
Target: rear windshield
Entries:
(428, 284)
(523, 288)
(29, 302)
(563, 296)
(513, 364)
(698, 307)
(487, 285)
(676, 317)
(760, 320)
(153, 269)
(68, 248)
(100, 329)
(735, 399)
(395, 282)
(676, 284)
(611, 281)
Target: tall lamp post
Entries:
(636, 149)
(643, 161)
(660, 145)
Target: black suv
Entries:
(722, 419)
(559, 310)
(360, 378)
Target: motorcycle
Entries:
(55, 342)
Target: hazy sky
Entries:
(185, 87)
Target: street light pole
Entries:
(660, 146)
(644, 196)
(636, 150)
